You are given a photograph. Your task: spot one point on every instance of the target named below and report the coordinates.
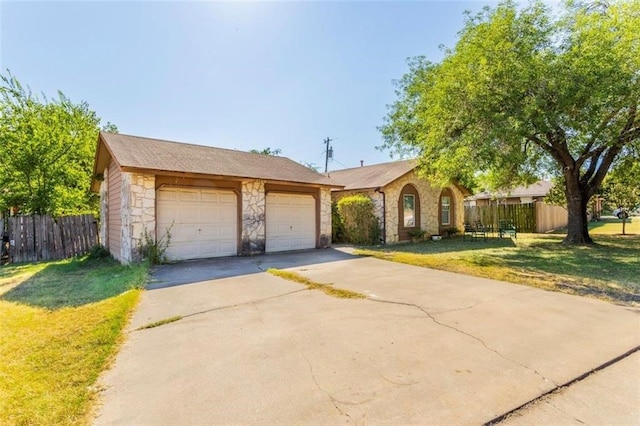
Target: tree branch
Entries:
(595, 155)
(626, 135)
(595, 134)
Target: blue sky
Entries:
(235, 75)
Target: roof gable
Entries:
(139, 153)
(374, 176)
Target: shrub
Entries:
(360, 222)
(99, 251)
(418, 235)
(337, 226)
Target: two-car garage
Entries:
(214, 201)
(205, 222)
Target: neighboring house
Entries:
(518, 195)
(525, 206)
(403, 201)
(216, 202)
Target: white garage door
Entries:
(205, 222)
(291, 222)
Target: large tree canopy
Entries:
(46, 152)
(525, 93)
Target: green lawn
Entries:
(608, 270)
(60, 325)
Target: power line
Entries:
(343, 165)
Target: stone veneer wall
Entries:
(429, 200)
(325, 217)
(138, 212)
(253, 217)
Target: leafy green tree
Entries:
(267, 151)
(526, 93)
(46, 152)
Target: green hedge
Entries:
(356, 221)
(337, 227)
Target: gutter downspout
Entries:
(384, 215)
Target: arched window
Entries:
(408, 212)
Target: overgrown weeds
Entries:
(327, 289)
(154, 250)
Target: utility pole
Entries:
(328, 154)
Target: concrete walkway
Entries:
(425, 347)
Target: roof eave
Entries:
(100, 162)
(130, 169)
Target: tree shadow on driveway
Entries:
(194, 271)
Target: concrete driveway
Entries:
(425, 347)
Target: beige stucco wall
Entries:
(429, 204)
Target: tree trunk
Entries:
(624, 222)
(577, 199)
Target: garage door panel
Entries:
(217, 232)
(186, 234)
(227, 198)
(291, 222)
(203, 226)
(187, 196)
(208, 196)
(166, 196)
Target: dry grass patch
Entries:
(312, 285)
(60, 325)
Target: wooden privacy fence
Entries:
(33, 238)
(549, 217)
(531, 217)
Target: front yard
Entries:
(609, 270)
(61, 322)
(60, 325)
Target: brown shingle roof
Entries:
(374, 176)
(134, 152)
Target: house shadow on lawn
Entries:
(608, 268)
(447, 245)
(76, 282)
(194, 271)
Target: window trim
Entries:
(442, 209)
(413, 210)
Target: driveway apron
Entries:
(425, 346)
